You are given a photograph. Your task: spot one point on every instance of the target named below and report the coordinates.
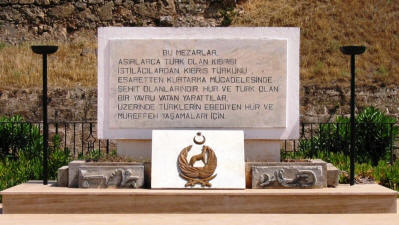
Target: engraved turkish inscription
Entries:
(197, 83)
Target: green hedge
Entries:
(373, 137)
(21, 157)
(18, 136)
(373, 147)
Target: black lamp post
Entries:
(352, 51)
(45, 50)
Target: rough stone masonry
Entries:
(28, 19)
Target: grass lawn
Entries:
(327, 25)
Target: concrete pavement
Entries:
(202, 219)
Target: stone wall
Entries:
(74, 104)
(77, 104)
(28, 19)
(324, 104)
(57, 19)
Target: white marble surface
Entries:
(255, 150)
(291, 35)
(227, 145)
(241, 83)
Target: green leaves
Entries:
(17, 135)
(21, 153)
(92, 155)
(374, 131)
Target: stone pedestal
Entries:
(36, 198)
(135, 149)
(62, 176)
(262, 150)
(101, 175)
(255, 150)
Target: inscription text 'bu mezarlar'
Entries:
(197, 175)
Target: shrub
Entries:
(373, 137)
(93, 155)
(13, 172)
(22, 156)
(17, 135)
(387, 175)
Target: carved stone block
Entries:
(62, 176)
(111, 176)
(288, 176)
(73, 172)
(307, 162)
(332, 175)
(92, 181)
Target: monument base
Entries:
(203, 219)
(255, 150)
(36, 198)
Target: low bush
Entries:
(374, 133)
(16, 135)
(387, 175)
(22, 156)
(13, 172)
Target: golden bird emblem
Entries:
(197, 175)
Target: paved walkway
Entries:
(202, 219)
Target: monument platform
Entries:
(203, 219)
(35, 198)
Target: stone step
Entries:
(35, 198)
(203, 219)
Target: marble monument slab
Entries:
(198, 159)
(197, 83)
(215, 78)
